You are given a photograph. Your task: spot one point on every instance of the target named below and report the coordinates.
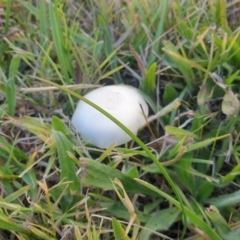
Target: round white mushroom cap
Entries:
(123, 102)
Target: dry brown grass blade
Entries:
(126, 202)
(51, 88)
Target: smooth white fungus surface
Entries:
(123, 102)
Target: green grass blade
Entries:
(108, 47)
(32, 9)
(7, 16)
(204, 143)
(60, 42)
(13, 70)
(12, 197)
(43, 21)
(162, 12)
(149, 82)
(7, 223)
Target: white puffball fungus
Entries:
(123, 102)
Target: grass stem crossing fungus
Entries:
(124, 103)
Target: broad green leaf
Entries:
(205, 190)
(160, 221)
(226, 200)
(67, 165)
(194, 218)
(99, 175)
(117, 210)
(185, 176)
